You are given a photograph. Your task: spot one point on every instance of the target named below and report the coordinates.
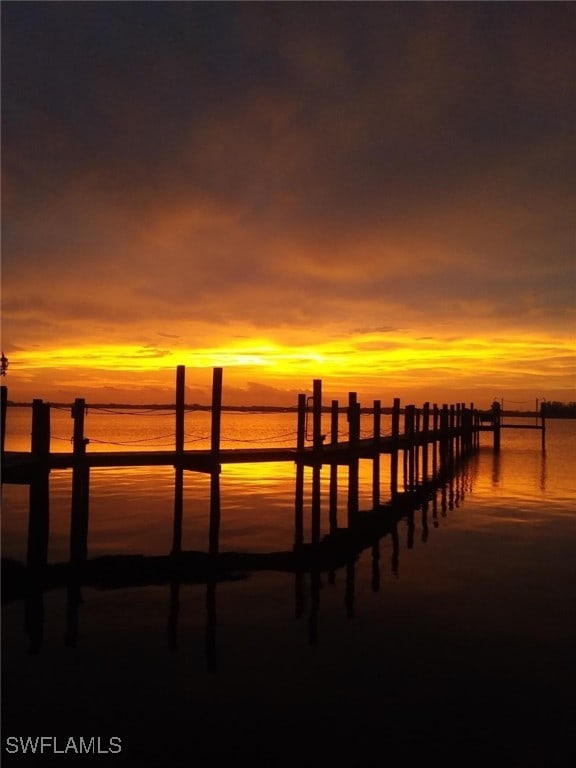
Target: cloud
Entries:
(284, 172)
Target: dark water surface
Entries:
(458, 646)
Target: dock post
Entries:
(444, 437)
(317, 441)
(180, 406)
(4, 407)
(394, 447)
(80, 487)
(38, 525)
(39, 514)
(299, 494)
(435, 444)
(353, 465)
(543, 425)
(317, 438)
(214, 533)
(179, 472)
(496, 424)
(333, 498)
(425, 437)
(417, 442)
(409, 427)
(458, 422)
(376, 460)
(216, 411)
(453, 431)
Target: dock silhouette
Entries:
(424, 446)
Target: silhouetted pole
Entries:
(414, 448)
(425, 441)
(453, 435)
(38, 525)
(179, 471)
(79, 521)
(317, 441)
(353, 465)
(214, 533)
(299, 493)
(435, 444)
(216, 411)
(409, 430)
(4, 408)
(39, 512)
(376, 460)
(496, 424)
(417, 447)
(80, 487)
(333, 498)
(394, 449)
(215, 450)
(180, 406)
(543, 425)
(444, 436)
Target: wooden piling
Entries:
(416, 445)
(80, 487)
(39, 506)
(353, 464)
(435, 444)
(425, 433)
(376, 430)
(3, 410)
(299, 492)
(451, 433)
(317, 437)
(179, 472)
(38, 525)
(543, 426)
(496, 424)
(214, 533)
(180, 406)
(333, 493)
(216, 411)
(409, 430)
(444, 437)
(395, 432)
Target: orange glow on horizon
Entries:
(362, 362)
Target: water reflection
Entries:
(338, 550)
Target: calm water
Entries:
(460, 648)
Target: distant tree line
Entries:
(553, 409)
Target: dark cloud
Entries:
(187, 169)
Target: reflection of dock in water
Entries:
(312, 564)
(428, 449)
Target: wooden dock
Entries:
(423, 442)
(426, 446)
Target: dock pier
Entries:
(425, 446)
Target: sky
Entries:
(379, 195)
